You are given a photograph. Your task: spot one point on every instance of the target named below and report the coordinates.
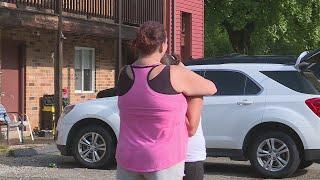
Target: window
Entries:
(305, 82)
(84, 69)
(230, 83)
(251, 88)
(201, 73)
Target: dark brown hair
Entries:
(150, 36)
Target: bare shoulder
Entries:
(179, 69)
(182, 72)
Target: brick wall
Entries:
(40, 45)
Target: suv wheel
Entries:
(274, 155)
(305, 164)
(94, 147)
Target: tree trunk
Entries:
(240, 39)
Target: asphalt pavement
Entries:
(47, 163)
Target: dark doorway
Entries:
(186, 42)
(12, 77)
(128, 53)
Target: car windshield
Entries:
(305, 82)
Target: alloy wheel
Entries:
(92, 147)
(273, 154)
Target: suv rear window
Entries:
(303, 82)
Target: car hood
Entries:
(106, 102)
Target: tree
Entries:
(265, 26)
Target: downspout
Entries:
(173, 25)
(119, 64)
(58, 63)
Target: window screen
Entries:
(84, 69)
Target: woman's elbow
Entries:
(212, 89)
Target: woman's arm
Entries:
(189, 83)
(195, 104)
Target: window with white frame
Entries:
(84, 69)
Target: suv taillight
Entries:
(314, 105)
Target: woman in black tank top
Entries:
(151, 43)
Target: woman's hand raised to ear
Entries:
(189, 83)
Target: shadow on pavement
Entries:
(238, 170)
(300, 172)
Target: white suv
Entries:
(267, 110)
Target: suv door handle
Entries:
(245, 103)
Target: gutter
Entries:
(174, 7)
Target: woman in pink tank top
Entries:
(153, 133)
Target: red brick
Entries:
(39, 70)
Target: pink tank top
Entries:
(153, 134)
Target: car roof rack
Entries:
(263, 59)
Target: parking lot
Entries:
(38, 167)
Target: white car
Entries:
(267, 110)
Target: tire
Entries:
(288, 153)
(305, 164)
(104, 155)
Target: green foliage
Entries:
(216, 41)
(52, 165)
(279, 26)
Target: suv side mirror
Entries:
(111, 92)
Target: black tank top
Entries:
(161, 83)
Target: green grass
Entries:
(4, 149)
